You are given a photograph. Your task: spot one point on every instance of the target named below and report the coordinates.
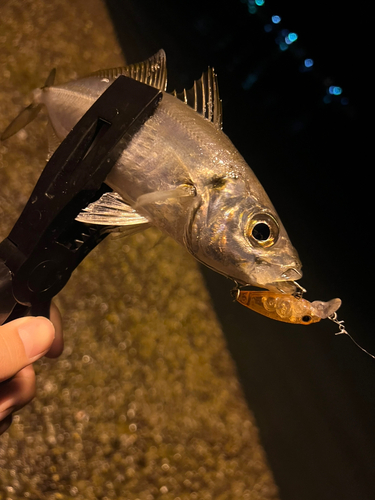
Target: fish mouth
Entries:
(287, 283)
(291, 274)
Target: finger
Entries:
(58, 344)
(17, 391)
(22, 342)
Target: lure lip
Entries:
(326, 309)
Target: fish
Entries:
(181, 174)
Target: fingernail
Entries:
(37, 335)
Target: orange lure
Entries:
(285, 307)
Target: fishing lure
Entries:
(292, 309)
(285, 307)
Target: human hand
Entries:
(22, 342)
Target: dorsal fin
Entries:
(204, 98)
(152, 72)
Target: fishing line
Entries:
(343, 331)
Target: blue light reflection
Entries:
(333, 90)
(290, 38)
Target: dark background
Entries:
(312, 392)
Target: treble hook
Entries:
(342, 329)
(298, 294)
(235, 292)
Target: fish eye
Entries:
(306, 318)
(262, 230)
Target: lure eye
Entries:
(262, 230)
(306, 318)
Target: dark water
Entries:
(312, 393)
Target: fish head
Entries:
(236, 231)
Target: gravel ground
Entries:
(144, 403)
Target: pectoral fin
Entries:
(180, 193)
(112, 210)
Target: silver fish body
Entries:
(184, 176)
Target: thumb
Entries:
(22, 342)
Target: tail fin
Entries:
(28, 114)
(50, 79)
